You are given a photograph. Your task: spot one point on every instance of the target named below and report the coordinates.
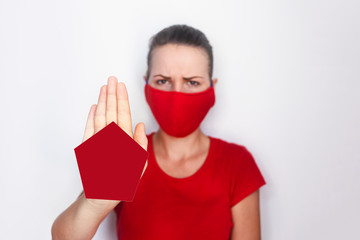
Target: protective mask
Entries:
(178, 113)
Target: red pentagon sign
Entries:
(110, 164)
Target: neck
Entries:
(179, 148)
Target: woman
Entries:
(193, 186)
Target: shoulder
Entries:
(241, 170)
(230, 149)
(234, 157)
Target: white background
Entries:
(289, 90)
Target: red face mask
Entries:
(178, 113)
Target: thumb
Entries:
(140, 135)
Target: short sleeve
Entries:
(245, 176)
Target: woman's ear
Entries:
(214, 81)
(145, 78)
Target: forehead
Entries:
(179, 59)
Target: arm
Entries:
(246, 218)
(80, 220)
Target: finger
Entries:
(146, 163)
(141, 139)
(124, 114)
(140, 135)
(100, 121)
(111, 103)
(89, 128)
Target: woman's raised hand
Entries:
(113, 105)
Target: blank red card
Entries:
(110, 164)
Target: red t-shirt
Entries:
(194, 207)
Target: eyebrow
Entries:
(186, 78)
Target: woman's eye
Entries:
(194, 83)
(161, 81)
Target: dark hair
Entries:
(180, 34)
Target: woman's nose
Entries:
(177, 86)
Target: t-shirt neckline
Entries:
(188, 178)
